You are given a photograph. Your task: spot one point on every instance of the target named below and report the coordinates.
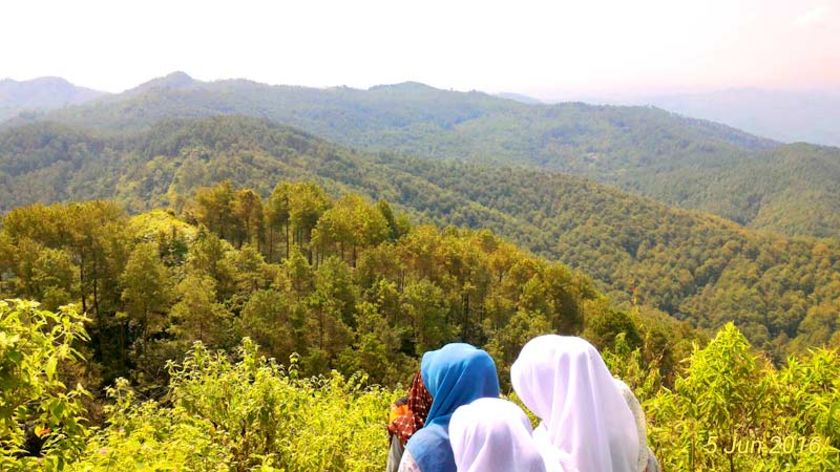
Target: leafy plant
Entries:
(41, 419)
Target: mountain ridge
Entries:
(41, 93)
(641, 149)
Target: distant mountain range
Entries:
(44, 93)
(681, 161)
(788, 116)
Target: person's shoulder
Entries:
(430, 434)
(639, 417)
(408, 464)
(628, 394)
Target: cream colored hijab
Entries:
(585, 419)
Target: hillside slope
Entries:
(679, 161)
(692, 265)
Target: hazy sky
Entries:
(547, 49)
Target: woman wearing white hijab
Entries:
(493, 435)
(585, 418)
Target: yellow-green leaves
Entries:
(33, 399)
(732, 410)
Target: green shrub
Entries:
(732, 410)
(251, 414)
(41, 423)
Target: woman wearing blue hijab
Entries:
(454, 375)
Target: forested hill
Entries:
(691, 265)
(679, 161)
(272, 334)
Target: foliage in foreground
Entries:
(246, 415)
(37, 410)
(218, 414)
(246, 412)
(731, 410)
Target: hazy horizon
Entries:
(548, 50)
(606, 96)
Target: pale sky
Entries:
(542, 48)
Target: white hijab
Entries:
(490, 435)
(564, 381)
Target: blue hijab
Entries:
(454, 375)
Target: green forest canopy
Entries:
(300, 272)
(782, 292)
(350, 292)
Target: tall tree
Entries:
(426, 308)
(278, 217)
(248, 216)
(307, 203)
(208, 256)
(147, 292)
(351, 223)
(268, 318)
(56, 278)
(214, 208)
(197, 316)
